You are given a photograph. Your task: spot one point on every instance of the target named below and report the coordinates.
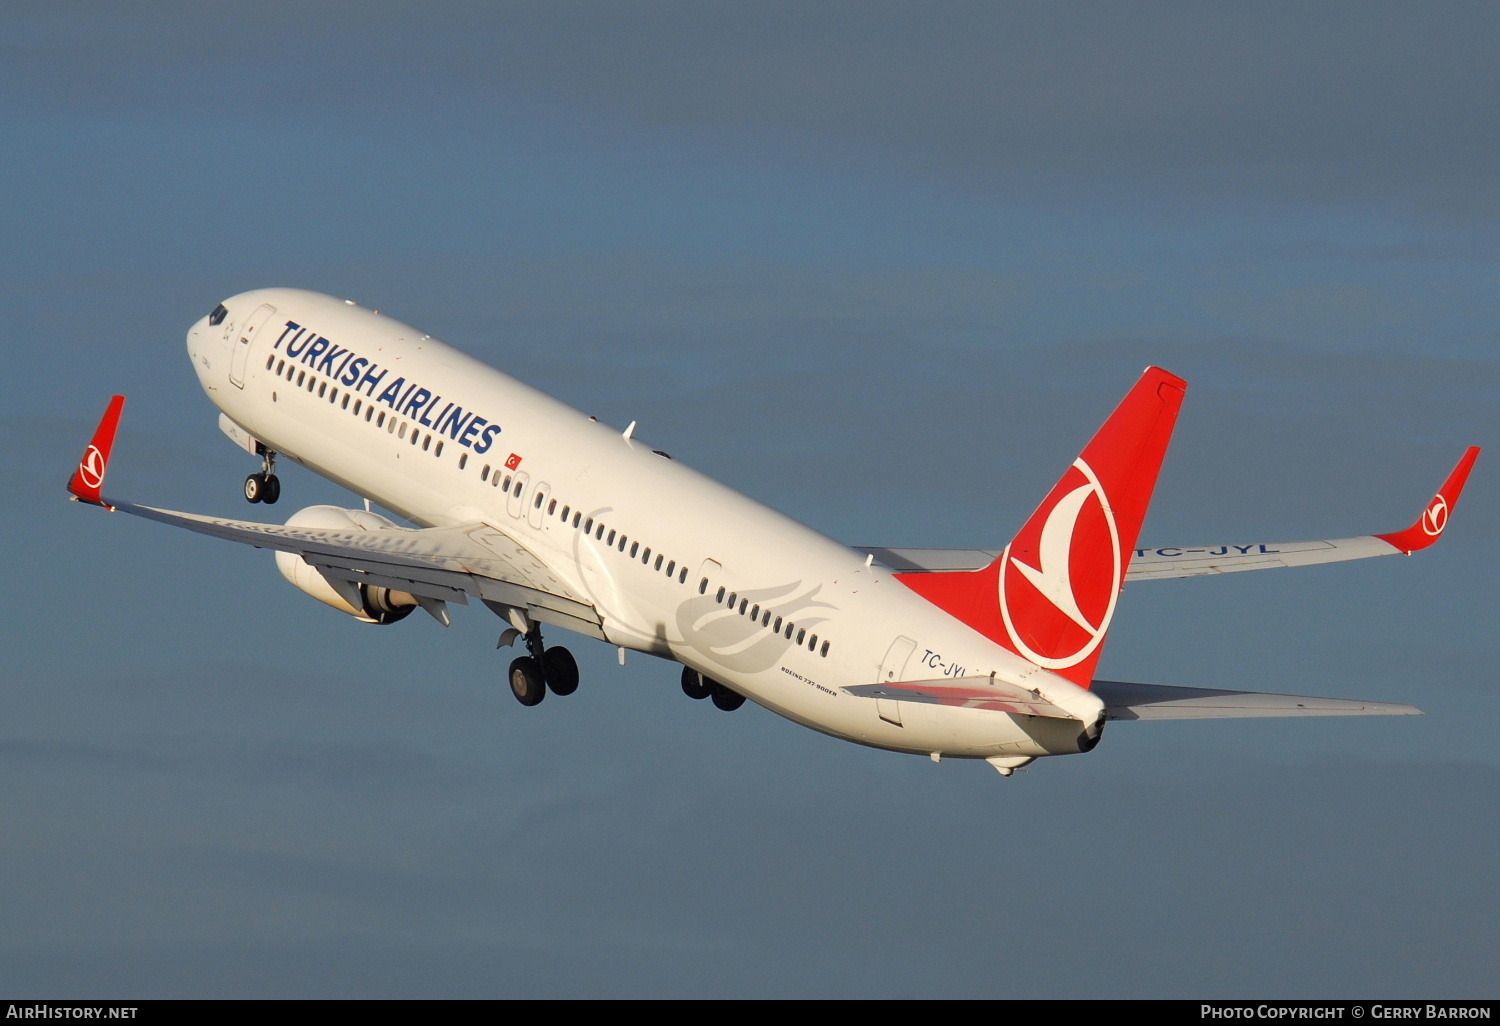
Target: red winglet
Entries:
(1051, 595)
(1429, 526)
(88, 480)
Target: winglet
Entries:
(87, 482)
(1429, 526)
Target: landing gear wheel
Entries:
(272, 490)
(561, 671)
(255, 488)
(694, 685)
(526, 681)
(725, 699)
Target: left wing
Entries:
(442, 564)
(1198, 560)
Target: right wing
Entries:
(1197, 560)
(442, 564)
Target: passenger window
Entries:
(439, 450)
(634, 547)
(611, 540)
(682, 576)
(463, 460)
(824, 652)
(777, 628)
(552, 508)
(755, 612)
(720, 596)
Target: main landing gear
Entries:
(265, 486)
(532, 676)
(695, 685)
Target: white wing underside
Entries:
(1164, 562)
(448, 564)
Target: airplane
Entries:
(548, 517)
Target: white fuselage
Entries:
(441, 438)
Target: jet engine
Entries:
(367, 602)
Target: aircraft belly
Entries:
(923, 729)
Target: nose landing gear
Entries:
(265, 486)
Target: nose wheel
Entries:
(265, 486)
(262, 488)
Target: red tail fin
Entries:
(88, 480)
(1051, 595)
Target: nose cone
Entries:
(207, 344)
(195, 338)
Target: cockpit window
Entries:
(217, 317)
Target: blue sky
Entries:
(882, 266)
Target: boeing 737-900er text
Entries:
(547, 516)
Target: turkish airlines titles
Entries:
(404, 398)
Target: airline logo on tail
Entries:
(1079, 604)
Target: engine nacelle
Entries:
(367, 602)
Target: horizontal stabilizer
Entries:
(965, 692)
(1125, 701)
